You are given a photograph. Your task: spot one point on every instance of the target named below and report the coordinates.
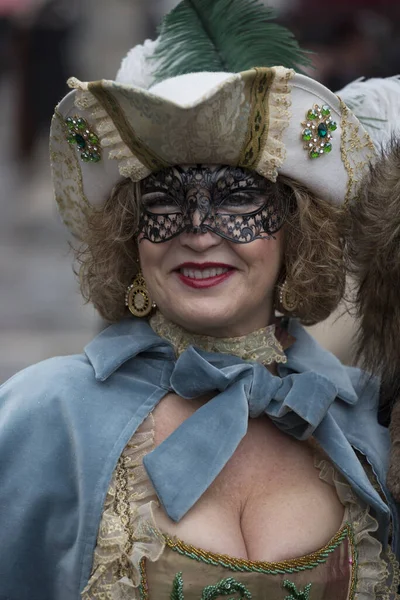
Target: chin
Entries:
(206, 320)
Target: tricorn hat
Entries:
(214, 88)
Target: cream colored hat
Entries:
(267, 119)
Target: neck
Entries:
(260, 345)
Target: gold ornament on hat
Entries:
(317, 131)
(137, 297)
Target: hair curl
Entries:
(313, 255)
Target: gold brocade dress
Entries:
(134, 560)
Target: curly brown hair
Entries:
(313, 255)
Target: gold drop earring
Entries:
(137, 297)
(287, 300)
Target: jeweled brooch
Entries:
(85, 140)
(318, 129)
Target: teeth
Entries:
(204, 273)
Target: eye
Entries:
(241, 203)
(159, 204)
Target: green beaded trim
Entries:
(177, 588)
(317, 131)
(295, 593)
(285, 567)
(225, 587)
(85, 140)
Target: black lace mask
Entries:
(236, 204)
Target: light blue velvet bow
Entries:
(184, 465)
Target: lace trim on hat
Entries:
(356, 148)
(261, 346)
(128, 530)
(272, 152)
(377, 571)
(128, 164)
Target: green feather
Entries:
(224, 35)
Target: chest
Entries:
(268, 503)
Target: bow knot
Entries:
(188, 461)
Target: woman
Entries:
(203, 448)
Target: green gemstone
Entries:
(80, 141)
(72, 139)
(85, 157)
(93, 139)
(70, 123)
(94, 157)
(314, 153)
(326, 111)
(307, 134)
(327, 147)
(332, 126)
(322, 130)
(312, 115)
(81, 124)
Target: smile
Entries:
(204, 275)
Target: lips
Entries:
(203, 275)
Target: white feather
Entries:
(137, 68)
(376, 103)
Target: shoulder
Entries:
(63, 429)
(36, 387)
(355, 409)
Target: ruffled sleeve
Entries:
(128, 532)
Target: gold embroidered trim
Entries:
(126, 132)
(258, 123)
(260, 346)
(127, 533)
(388, 590)
(144, 585)
(122, 509)
(309, 561)
(355, 142)
(354, 566)
(273, 152)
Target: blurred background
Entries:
(42, 43)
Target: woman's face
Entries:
(211, 247)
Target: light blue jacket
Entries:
(64, 423)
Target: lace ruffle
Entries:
(373, 580)
(274, 152)
(110, 138)
(261, 345)
(128, 531)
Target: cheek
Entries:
(154, 261)
(266, 256)
(149, 256)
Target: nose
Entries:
(197, 218)
(199, 242)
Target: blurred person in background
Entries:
(42, 34)
(352, 40)
(202, 446)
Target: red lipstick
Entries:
(208, 281)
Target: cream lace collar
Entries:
(260, 346)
